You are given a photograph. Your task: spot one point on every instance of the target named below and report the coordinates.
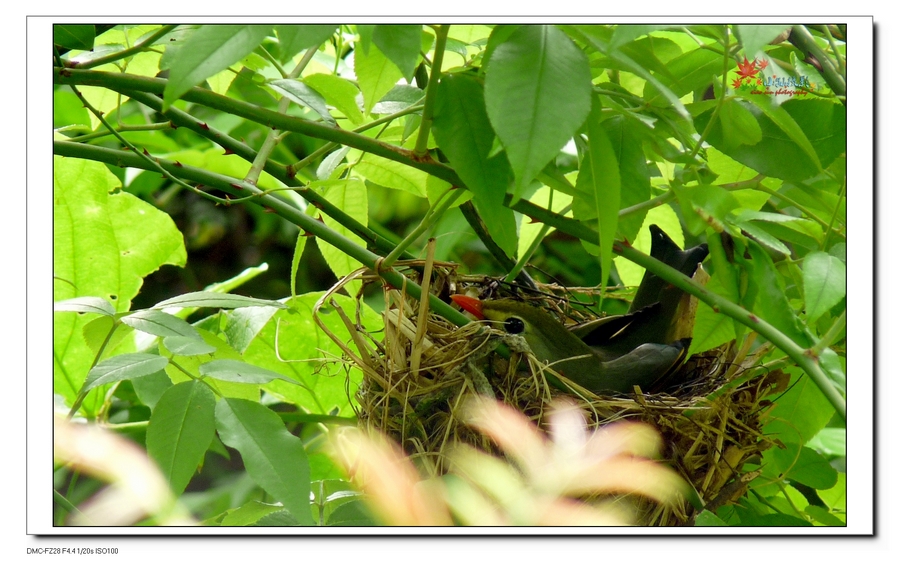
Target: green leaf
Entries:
(274, 458)
(150, 388)
(250, 513)
(625, 138)
(599, 177)
(784, 150)
(188, 346)
(702, 202)
(398, 98)
(104, 244)
(211, 299)
(237, 371)
(831, 441)
(822, 516)
(707, 519)
(686, 73)
(292, 344)
(786, 123)
(754, 38)
(210, 49)
(824, 283)
(763, 237)
(739, 126)
(160, 324)
(401, 44)
(375, 74)
(245, 323)
(800, 412)
(86, 305)
(338, 92)
(772, 303)
(180, 431)
(623, 34)
(123, 367)
(712, 329)
(803, 465)
(389, 173)
(537, 94)
(187, 367)
(352, 514)
(74, 36)
(303, 95)
(350, 196)
(462, 130)
(295, 38)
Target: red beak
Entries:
(470, 304)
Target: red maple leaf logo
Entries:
(747, 69)
(762, 64)
(737, 83)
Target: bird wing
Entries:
(648, 366)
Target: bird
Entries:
(616, 353)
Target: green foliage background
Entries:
(196, 161)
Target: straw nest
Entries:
(419, 368)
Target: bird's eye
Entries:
(514, 325)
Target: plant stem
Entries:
(804, 41)
(126, 52)
(440, 44)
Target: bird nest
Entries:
(419, 369)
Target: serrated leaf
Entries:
(274, 458)
(216, 300)
(180, 431)
(210, 49)
(86, 305)
(238, 371)
(160, 324)
(250, 513)
(537, 93)
(303, 95)
(824, 283)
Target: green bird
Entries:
(611, 354)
